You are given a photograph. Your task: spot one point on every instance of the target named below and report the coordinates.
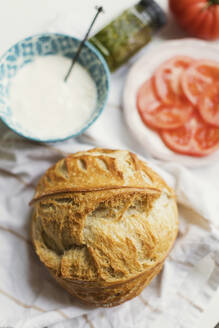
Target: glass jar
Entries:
(129, 32)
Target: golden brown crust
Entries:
(98, 169)
(113, 296)
(103, 224)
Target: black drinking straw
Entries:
(99, 10)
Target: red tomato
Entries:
(167, 80)
(157, 115)
(199, 18)
(198, 77)
(178, 6)
(195, 138)
(209, 105)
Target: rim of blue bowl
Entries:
(106, 69)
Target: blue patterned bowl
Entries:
(25, 51)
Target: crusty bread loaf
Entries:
(103, 224)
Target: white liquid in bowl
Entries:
(47, 107)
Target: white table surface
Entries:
(19, 19)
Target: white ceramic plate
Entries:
(141, 71)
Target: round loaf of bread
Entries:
(103, 224)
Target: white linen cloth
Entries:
(30, 298)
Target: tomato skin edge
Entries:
(188, 152)
(211, 123)
(192, 71)
(158, 81)
(206, 112)
(147, 90)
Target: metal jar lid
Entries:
(156, 13)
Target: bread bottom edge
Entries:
(110, 297)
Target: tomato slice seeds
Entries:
(167, 78)
(200, 74)
(195, 138)
(208, 105)
(158, 115)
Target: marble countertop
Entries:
(19, 19)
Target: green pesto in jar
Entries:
(128, 33)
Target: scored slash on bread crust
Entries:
(98, 169)
(103, 224)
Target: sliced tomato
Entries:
(198, 77)
(158, 115)
(167, 80)
(195, 138)
(208, 104)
